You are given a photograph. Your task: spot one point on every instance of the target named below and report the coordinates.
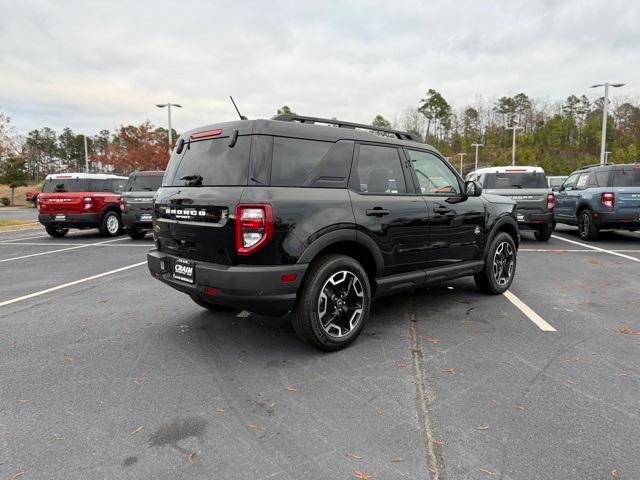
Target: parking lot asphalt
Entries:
(106, 373)
(19, 213)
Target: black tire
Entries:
(544, 234)
(136, 233)
(111, 225)
(214, 307)
(499, 266)
(56, 231)
(586, 228)
(339, 285)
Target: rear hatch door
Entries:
(63, 195)
(626, 187)
(528, 189)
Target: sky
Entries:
(97, 65)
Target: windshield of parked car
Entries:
(512, 180)
(61, 185)
(210, 162)
(142, 183)
(627, 176)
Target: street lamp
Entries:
(604, 114)
(169, 105)
(461, 155)
(606, 157)
(513, 148)
(477, 145)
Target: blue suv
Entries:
(601, 197)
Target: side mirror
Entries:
(555, 188)
(472, 188)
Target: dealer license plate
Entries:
(145, 218)
(61, 218)
(184, 270)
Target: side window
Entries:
(294, 159)
(592, 181)
(602, 178)
(433, 174)
(570, 182)
(581, 183)
(98, 185)
(117, 185)
(379, 171)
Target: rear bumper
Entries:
(533, 220)
(257, 288)
(71, 220)
(133, 220)
(618, 221)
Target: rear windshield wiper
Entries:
(193, 180)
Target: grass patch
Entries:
(5, 191)
(13, 223)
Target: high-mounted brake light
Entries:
(253, 227)
(515, 169)
(551, 201)
(206, 134)
(608, 199)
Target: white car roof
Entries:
(508, 169)
(97, 176)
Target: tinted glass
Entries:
(294, 160)
(98, 185)
(143, 183)
(64, 185)
(570, 182)
(513, 180)
(213, 160)
(117, 185)
(581, 183)
(556, 182)
(433, 174)
(379, 171)
(602, 178)
(627, 177)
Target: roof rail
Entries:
(339, 123)
(595, 165)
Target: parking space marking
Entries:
(56, 251)
(530, 314)
(574, 250)
(47, 244)
(598, 249)
(69, 284)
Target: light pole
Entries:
(477, 145)
(461, 155)
(169, 105)
(86, 155)
(606, 157)
(513, 147)
(604, 115)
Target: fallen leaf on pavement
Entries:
(594, 262)
(23, 401)
(614, 473)
(71, 360)
(253, 427)
(292, 389)
(402, 365)
(190, 457)
(380, 412)
(137, 430)
(628, 331)
(438, 442)
(397, 460)
(520, 407)
(450, 370)
(569, 381)
(220, 411)
(362, 476)
(17, 474)
(433, 340)
(488, 472)
(483, 427)
(354, 456)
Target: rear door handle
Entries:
(376, 212)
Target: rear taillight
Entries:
(88, 203)
(551, 201)
(122, 204)
(253, 227)
(608, 199)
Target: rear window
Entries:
(627, 177)
(294, 160)
(513, 180)
(143, 183)
(61, 185)
(213, 160)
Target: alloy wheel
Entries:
(113, 225)
(340, 303)
(503, 262)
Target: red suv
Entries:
(81, 200)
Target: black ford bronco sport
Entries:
(318, 217)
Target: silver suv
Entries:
(529, 188)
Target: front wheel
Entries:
(333, 303)
(57, 232)
(586, 228)
(544, 233)
(111, 225)
(499, 266)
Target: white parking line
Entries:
(530, 314)
(573, 250)
(57, 251)
(45, 244)
(598, 249)
(69, 284)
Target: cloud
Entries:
(94, 65)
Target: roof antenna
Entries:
(242, 117)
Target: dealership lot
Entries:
(106, 373)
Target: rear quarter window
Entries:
(295, 160)
(627, 177)
(61, 185)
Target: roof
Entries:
(304, 130)
(97, 176)
(508, 169)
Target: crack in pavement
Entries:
(424, 397)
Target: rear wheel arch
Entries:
(504, 224)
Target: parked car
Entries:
(31, 196)
(136, 201)
(555, 181)
(600, 197)
(81, 200)
(288, 214)
(528, 187)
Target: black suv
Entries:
(136, 201)
(290, 214)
